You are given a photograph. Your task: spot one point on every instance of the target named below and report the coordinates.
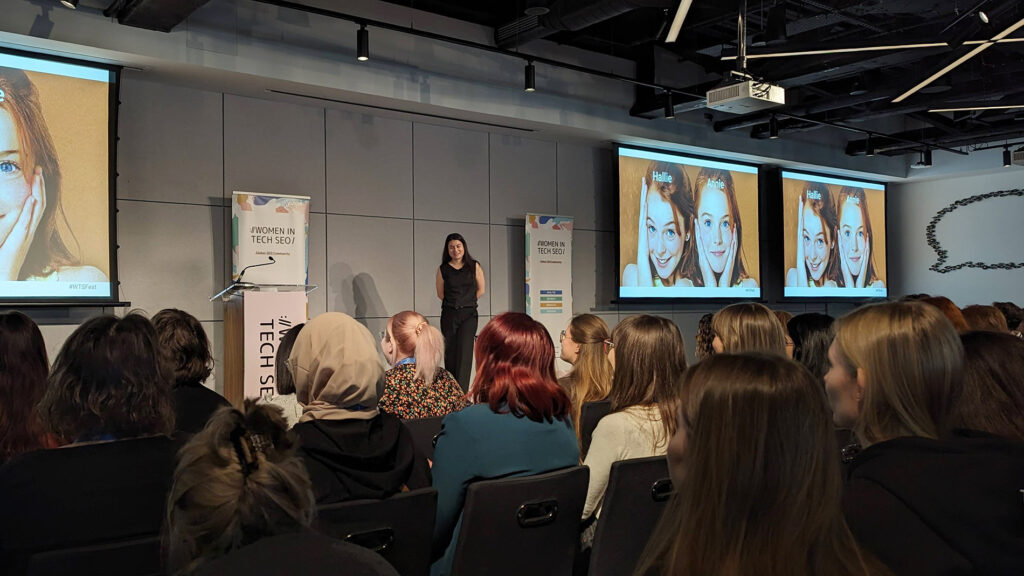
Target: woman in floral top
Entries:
(415, 349)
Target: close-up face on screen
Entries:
(688, 227)
(834, 237)
(54, 180)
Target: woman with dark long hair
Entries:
(23, 371)
(518, 426)
(460, 284)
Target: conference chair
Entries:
(399, 528)
(523, 525)
(423, 431)
(590, 414)
(130, 557)
(637, 494)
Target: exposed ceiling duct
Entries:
(569, 15)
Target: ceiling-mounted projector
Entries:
(745, 97)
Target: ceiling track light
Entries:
(869, 147)
(773, 128)
(531, 77)
(362, 43)
(73, 4)
(1007, 157)
(670, 107)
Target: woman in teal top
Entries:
(518, 426)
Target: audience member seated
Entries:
(283, 382)
(992, 399)
(109, 397)
(784, 317)
(925, 501)
(748, 327)
(985, 318)
(590, 380)
(649, 357)
(183, 339)
(351, 449)
(518, 426)
(752, 453)
(415, 350)
(812, 334)
(950, 310)
(1014, 315)
(23, 370)
(239, 482)
(705, 338)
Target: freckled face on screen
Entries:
(14, 178)
(816, 244)
(852, 237)
(715, 226)
(663, 241)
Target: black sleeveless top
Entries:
(459, 286)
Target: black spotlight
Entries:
(927, 157)
(869, 147)
(1007, 158)
(362, 44)
(73, 4)
(773, 128)
(531, 78)
(670, 108)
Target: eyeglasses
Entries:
(609, 344)
(562, 335)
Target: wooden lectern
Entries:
(235, 329)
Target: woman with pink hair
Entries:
(417, 385)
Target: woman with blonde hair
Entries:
(591, 377)
(238, 482)
(748, 327)
(417, 385)
(924, 500)
(753, 452)
(648, 355)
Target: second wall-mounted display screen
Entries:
(834, 237)
(688, 227)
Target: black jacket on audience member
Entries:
(84, 494)
(301, 553)
(357, 459)
(193, 406)
(940, 507)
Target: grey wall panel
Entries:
(429, 245)
(318, 299)
(450, 168)
(369, 165)
(369, 265)
(522, 177)
(508, 269)
(594, 279)
(171, 146)
(274, 147)
(172, 256)
(586, 186)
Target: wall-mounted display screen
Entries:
(56, 233)
(834, 237)
(688, 227)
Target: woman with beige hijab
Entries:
(352, 450)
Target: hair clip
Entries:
(246, 447)
(419, 327)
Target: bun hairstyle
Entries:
(237, 481)
(414, 336)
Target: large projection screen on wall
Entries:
(57, 130)
(688, 227)
(834, 237)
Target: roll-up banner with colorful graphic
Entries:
(549, 272)
(271, 229)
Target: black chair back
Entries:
(524, 525)
(423, 431)
(399, 528)
(637, 494)
(133, 557)
(590, 415)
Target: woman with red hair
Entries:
(519, 424)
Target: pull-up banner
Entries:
(549, 272)
(271, 229)
(268, 316)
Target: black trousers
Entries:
(459, 330)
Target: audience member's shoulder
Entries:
(306, 553)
